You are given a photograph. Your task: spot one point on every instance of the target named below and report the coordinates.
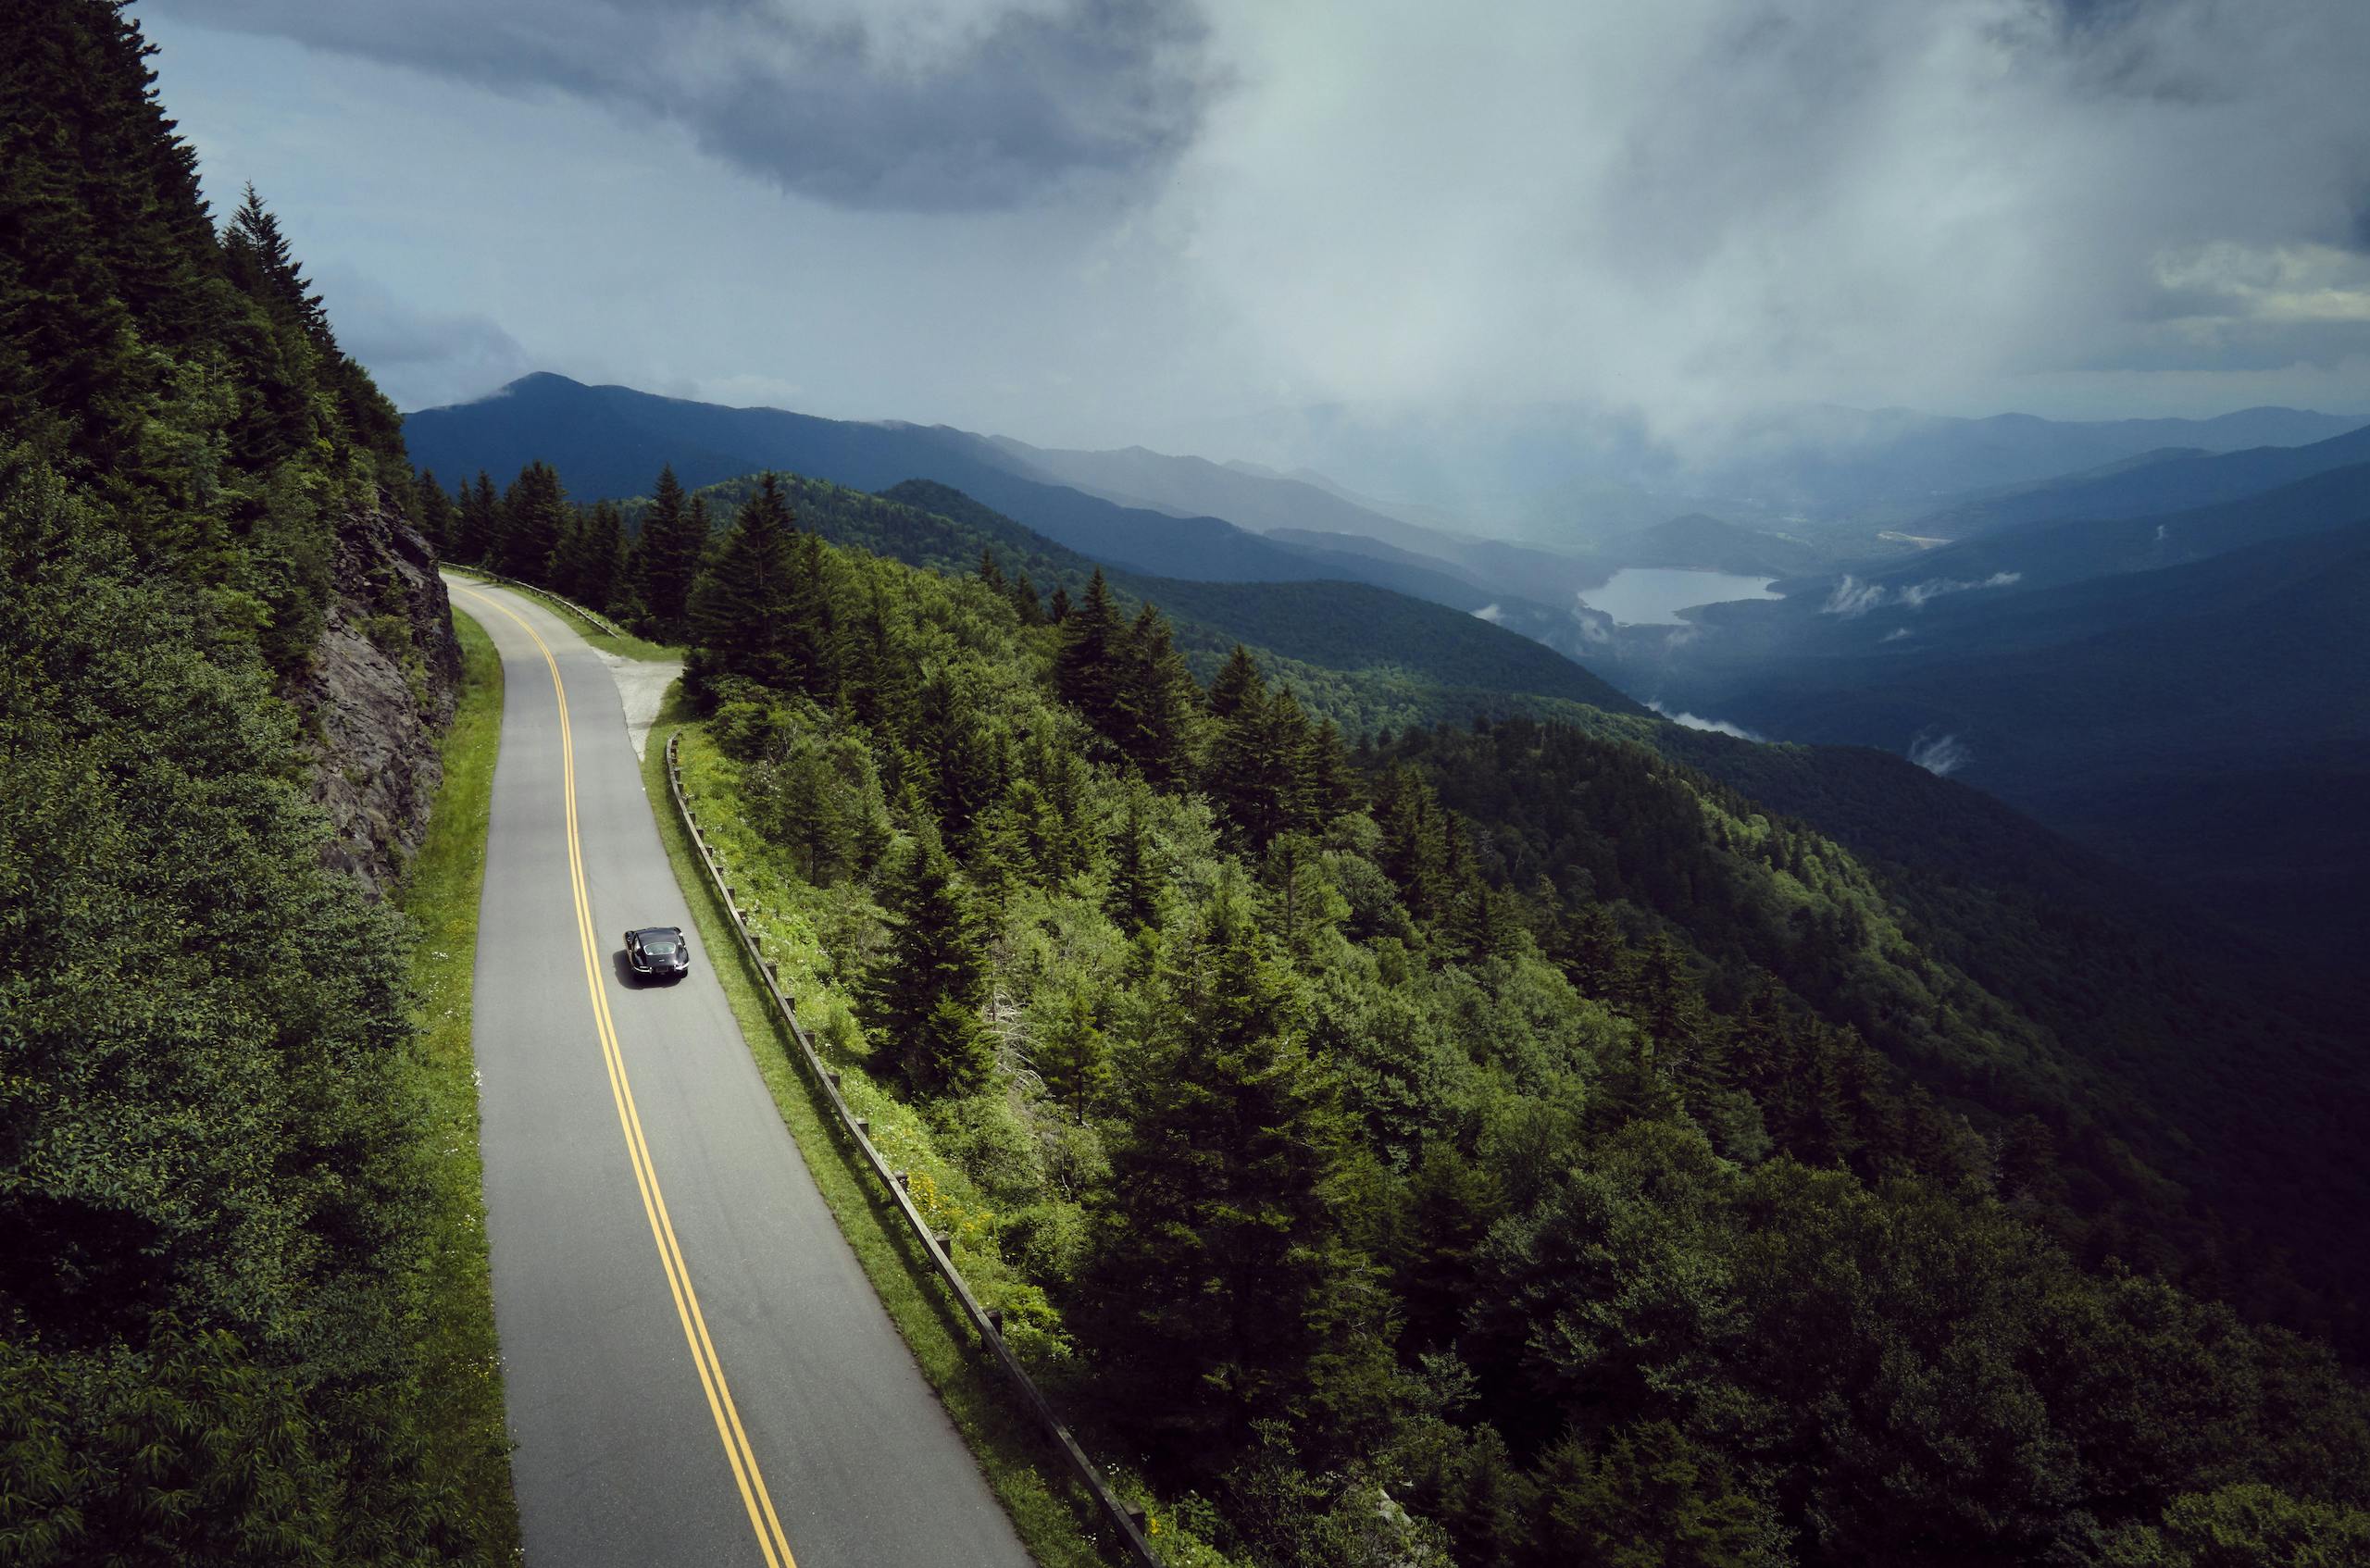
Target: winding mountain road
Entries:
(697, 1372)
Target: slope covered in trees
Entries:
(1493, 1145)
(214, 1209)
(2199, 1088)
(1368, 657)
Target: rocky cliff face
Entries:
(384, 678)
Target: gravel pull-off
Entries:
(642, 687)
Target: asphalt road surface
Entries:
(696, 1371)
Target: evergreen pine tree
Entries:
(564, 577)
(968, 773)
(1223, 1275)
(601, 558)
(1025, 602)
(534, 513)
(743, 609)
(1414, 841)
(812, 642)
(925, 992)
(1135, 879)
(1154, 713)
(1073, 1057)
(480, 521)
(666, 555)
(1332, 780)
(1687, 1040)
(1261, 766)
(811, 812)
(1087, 671)
(1238, 681)
(256, 255)
(438, 519)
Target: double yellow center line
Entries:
(737, 1451)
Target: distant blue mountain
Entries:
(611, 441)
(2181, 481)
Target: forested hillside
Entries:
(1499, 1144)
(2202, 1086)
(215, 621)
(1368, 657)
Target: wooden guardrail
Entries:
(606, 626)
(1128, 1520)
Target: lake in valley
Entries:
(1654, 595)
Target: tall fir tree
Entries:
(1155, 704)
(1136, 879)
(534, 515)
(925, 992)
(478, 523)
(1261, 767)
(599, 567)
(1223, 1271)
(667, 552)
(1072, 1056)
(1238, 680)
(1089, 667)
(438, 519)
(744, 606)
(257, 257)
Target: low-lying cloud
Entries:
(1701, 208)
(1940, 754)
(1851, 598)
(420, 358)
(1716, 726)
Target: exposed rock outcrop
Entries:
(385, 676)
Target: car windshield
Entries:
(658, 947)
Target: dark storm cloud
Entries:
(913, 105)
(1701, 208)
(1673, 216)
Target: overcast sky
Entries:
(1095, 222)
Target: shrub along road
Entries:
(696, 1370)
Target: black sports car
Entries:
(659, 951)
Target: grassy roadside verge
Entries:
(627, 646)
(1048, 1510)
(461, 1362)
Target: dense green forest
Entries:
(2199, 1092)
(1370, 659)
(213, 1206)
(1492, 1144)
